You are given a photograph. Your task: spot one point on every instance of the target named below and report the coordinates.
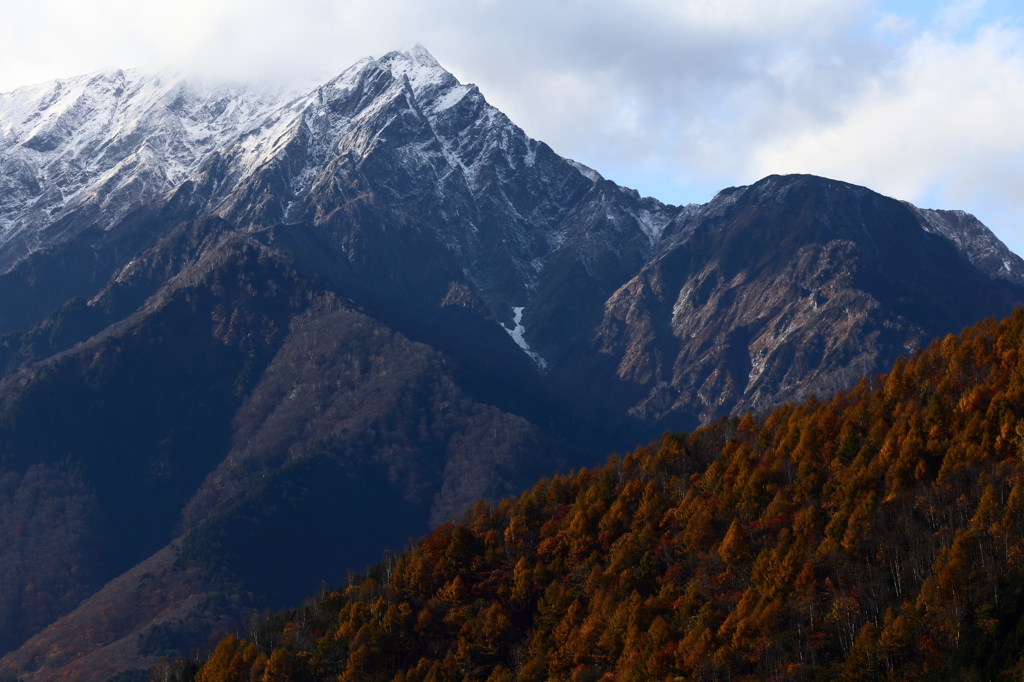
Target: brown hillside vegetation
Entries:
(878, 535)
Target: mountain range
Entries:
(249, 333)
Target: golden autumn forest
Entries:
(875, 535)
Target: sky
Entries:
(922, 101)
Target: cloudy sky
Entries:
(678, 98)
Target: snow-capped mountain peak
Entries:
(110, 140)
(419, 67)
(433, 86)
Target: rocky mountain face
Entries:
(790, 287)
(235, 322)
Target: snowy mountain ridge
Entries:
(113, 140)
(400, 131)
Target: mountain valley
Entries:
(249, 333)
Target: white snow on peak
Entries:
(973, 239)
(91, 138)
(517, 333)
(653, 223)
(587, 172)
(419, 66)
(347, 79)
(450, 98)
(436, 89)
(114, 139)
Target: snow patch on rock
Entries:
(517, 333)
(586, 171)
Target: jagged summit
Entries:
(106, 143)
(435, 88)
(419, 66)
(426, 77)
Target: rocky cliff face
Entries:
(792, 286)
(227, 314)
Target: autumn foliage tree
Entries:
(875, 535)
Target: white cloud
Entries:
(889, 24)
(943, 125)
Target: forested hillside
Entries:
(876, 534)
